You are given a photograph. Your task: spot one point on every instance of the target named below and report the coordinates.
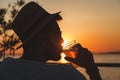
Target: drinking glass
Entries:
(70, 49)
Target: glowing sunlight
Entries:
(65, 42)
(62, 60)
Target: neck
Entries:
(34, 59)
(35, 56)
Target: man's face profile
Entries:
(55, 39)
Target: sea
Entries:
(107, 73)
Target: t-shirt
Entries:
(20, 69)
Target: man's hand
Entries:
(84, 57)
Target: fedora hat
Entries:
(27, 20)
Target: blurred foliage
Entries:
(8, 39)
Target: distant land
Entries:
(114, 52)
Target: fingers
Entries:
(78, 46)
(82, 50)
(69, 59)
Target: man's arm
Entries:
(85, 59)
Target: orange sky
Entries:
(94, 24)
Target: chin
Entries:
(56, 57)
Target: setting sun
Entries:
(65, 42)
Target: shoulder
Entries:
(67, 71)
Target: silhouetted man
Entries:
(41, 37)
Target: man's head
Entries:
(39, 32)
(47, 44)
